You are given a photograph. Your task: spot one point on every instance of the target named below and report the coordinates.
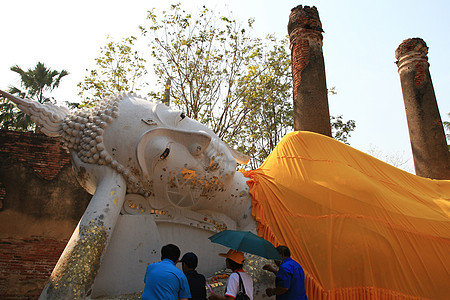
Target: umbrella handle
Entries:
(209, 287)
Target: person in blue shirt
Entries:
(290, 278)
(163, 280)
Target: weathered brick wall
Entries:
(19, 144)
(25, 265)
(40, 205)
(43, 154)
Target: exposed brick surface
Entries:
(38, 187)
(414, 52)
(310, 100)
(305, 17)
(411, 45)
(304, 27)
(300, 53)
(28, 262)
(421, 73)
(34, 149)
(41, 153)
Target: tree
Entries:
(268, 87)
(120, 68)
(447, 123)
(396, 159)
(33, 85)
(341, 130)
(215, 71)
(12, 118)
(237, 85)
(203, 57)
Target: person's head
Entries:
(171, 252)
(284, 252)
(190, 261)
(234, 259)
(232, 265)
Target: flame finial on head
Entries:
(49, 116)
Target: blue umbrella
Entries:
(246, 241)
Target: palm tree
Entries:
(34, 83)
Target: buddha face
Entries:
(160, 151)
(184, 161)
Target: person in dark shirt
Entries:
(197, 282)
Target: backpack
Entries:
(241, 295)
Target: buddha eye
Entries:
(165, 154)
(182, 116)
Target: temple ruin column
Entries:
(428, 142)
(311, 110)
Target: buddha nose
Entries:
(196, 149)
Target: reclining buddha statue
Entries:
(359, 227)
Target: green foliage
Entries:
(341, 130)
(203, 56)
(119, 69)
(216, 71)
(267, 89)
(221, 75)
(447, 123)
(33, 84)
(12, 118)
(37, 81)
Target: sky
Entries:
(359, 43)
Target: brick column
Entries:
(429, 146)
(311, 111)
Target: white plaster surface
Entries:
(137, 241)
(134, 244)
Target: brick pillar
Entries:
(429, 146)
(311, 111)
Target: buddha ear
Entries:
(196, 142)
(240, 157)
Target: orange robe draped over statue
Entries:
(360, 228)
